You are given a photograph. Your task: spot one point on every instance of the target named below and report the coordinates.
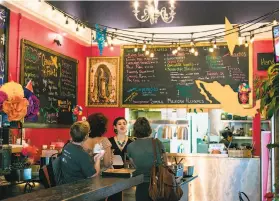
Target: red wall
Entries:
(24, 28)
(259, 47)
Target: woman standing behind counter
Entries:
(121, 140)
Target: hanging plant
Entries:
(267, 89)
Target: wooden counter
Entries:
(89, 189)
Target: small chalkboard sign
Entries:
(265, 60)
(54, 79)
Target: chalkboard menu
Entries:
(54, 79)
(168, 80)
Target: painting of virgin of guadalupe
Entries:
(102, 82)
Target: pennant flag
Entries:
(231, 36)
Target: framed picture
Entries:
(102, 82)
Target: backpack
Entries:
(51, 175)
(46, 174)
(163, 185)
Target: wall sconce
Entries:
(57, 42)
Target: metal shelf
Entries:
(237, 121)
(242, 138)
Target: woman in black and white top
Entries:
(121, 140)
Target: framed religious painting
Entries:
(102, 82)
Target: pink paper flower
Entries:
(3, 97)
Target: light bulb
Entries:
(196, 53)
(135, 49)
(144, 46)
(192, 50)
(215, 46)
(240, 39)
(152, 54)
(136, 5)
(252, 39)
(211, 49)
(192, 43)
(179, 48)
(111, 47)
(147, 52)
(106, 44)
(246, 44)
(274, 22)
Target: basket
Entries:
(239, 153)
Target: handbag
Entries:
(163, 185)
(46, 174)
(241, 197)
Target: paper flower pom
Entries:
(15, 108)
(3, 97)
(12, 89)
(33, 108)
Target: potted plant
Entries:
(267, 90)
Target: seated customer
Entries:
(76, 164)
(141, 154)
(96, 141)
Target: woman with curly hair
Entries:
(96, 141)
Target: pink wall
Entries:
(24, 28)
(259, 47)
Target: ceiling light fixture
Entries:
(152, 13)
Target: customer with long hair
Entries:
(96, 141)
(141, 154)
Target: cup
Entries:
(189, 171)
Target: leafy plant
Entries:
(267, 89)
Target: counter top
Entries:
(204, 155)
(96, 188)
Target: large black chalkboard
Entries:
(54, 79)
(167, 80)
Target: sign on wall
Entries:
(4, 33)
(265, 60)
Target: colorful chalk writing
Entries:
(54, 81)
(168, 79)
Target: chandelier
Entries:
(152, 13)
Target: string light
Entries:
(135, 47)
(246, 43)
(240, 39)
(211, 49)
(152, 54)
(125, 37)
(77, 29)
(215, 44)
(196, 53)
(192, 50)
(112, 47)
(192, 43)
(147, 52)
(252, 37)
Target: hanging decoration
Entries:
(34, 103)
(243, 93)
(231, 38)
(16, 105)
(77, 111)
(101, 37)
